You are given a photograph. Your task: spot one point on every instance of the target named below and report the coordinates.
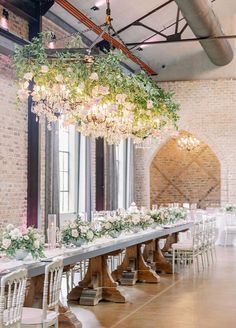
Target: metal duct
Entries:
(204, 23)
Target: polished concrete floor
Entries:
(180, 301)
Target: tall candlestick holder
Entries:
(52, 230)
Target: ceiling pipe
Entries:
(98, 30)
(204, 23)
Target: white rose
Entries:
(15, 234)
(6, 243)
(74, 233)
(44, 69)
(90, 235)
(36, 243)
(83, 229)
(9, 227)
(28, 76)
(26, 85)
(73, 225)
(107, 225)
(59, 78)
(26, 237)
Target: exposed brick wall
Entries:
(17, 25)
(208, 110)
(13, 150)
(182, 176)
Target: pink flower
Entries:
(120, 98)
(59, 78)
(28, 76)
(149, 104)
(94, 76)
(22, 94)
(103, 90)
(175, 134)
(129, 106)
(156, 133)
(44, 69)
(23, 229)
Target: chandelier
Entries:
(92, 92)
(188, 143)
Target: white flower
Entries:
(149, 104)
(26, 85)
(6, 243)
(36, 244)
(83, 229)
(90, 235)
(107, 225)
(74, 233)
(9, 227)
(73, 225)
(94, 76)
(44, 69)
(28, 76)
(80, 87)
(59, 78)
(15, 234)
(69, 70)
(26, 237)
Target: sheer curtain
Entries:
(52, 183)
(129, 173)
(111, 178)
(84, 203)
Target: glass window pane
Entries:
(65, 182)
(66, 162)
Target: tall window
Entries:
(68, 160)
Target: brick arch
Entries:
(181, 176)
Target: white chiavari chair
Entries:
(48, 315)
(12, 295)
(230, 226)
(189, 251)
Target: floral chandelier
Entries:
(92, 92)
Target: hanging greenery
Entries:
(94, 93)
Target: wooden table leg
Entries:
(155, 255)
(161, 263)
(34, 297)
(171, 239)
(97, 284)
(133, 268)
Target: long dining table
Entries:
(142, 260)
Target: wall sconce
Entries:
(4, 19)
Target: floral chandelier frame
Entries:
(92, 92)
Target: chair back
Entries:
(12, 296)
(230, 219)
(52, 286)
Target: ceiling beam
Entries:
(181, 40)
(144, 16)
(98, 30)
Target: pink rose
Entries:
(94, 76)
(44, 69)
(23, 229)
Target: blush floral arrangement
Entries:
(19, 242)
(77, 232)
